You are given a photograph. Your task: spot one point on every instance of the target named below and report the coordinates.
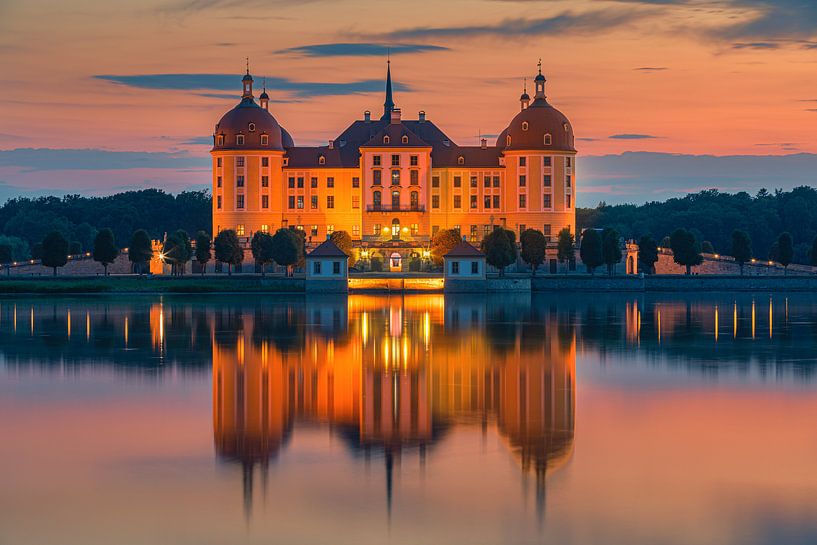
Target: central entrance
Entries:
(395, 262)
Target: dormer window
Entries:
(239, 140)
(265, 140)
(524, 125)
(405, 139)
(460, 160)
(220, 140)
(508, 140)
(321, 160)
(386, 139)
(252, 127)
(567, 127)
(548, 139)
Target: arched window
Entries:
(405, 139)
(524, 125)
(321, 160)
(567, 127)
(415, 200)
(548, 139)
(395, 229)
(460, 160)
(395, 200)
(376, 200)
(385, 139)
(252, 127)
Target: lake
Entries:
(622, 419)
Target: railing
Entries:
(398, 208)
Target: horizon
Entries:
(724, 79)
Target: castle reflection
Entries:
(392, 375)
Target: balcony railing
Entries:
(398, 208)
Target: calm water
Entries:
(417, 419)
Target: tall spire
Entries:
(247, 83)
(388, 106)
(539, 81)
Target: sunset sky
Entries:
(98, 97)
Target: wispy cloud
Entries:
(631, 136)
(231, 82)
(198, 141)
(650, 69)
(361, 49)
(756, 45)
(33, 159)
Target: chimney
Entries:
(367, 116)
(395, 115)
(331, 144)
(422, 115)
(483, 143)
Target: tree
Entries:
(343, 240)
(534, 245)
(228, 249)
(140, 251)
(183, 252)
(648, 253)
(813, 252)
(105, 250)
(75, 248)
(565, 246)
(741, 248)
(610, 249)
(37, 251)
(707, 248)
(285, 248)
(6, 256)
(55, 250)
(499, 247)
(203, 254)
(19, 247)
(261, 246)
(443, 242)
(685, 249)
(785, 251)
(590, 250)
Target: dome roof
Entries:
(528, 129)
(252, 121)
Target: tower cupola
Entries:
(525, 98)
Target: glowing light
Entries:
(126, 331)
(716, 323)
(735, 320)
(753, 319)
(426, 254)
(69, 323)
(771, 318)
(385, 229)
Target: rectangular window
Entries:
(264, 228)
(474, 233)
(377, 177)
(486, 181)
(239, 162)
(548, 180)
(265, 140)
(474, 181)
(395, 177)
(395, 160)
(486, 230)
(457, 202)
(218, 202)
(314, 230)
(239, 181)
(523, 180)
(218, 181)
(330, 201)
(435, 201)
(414, 177)
(330, 229)
(457, 181)
(568, 181)
(376, 229)
(546, 230)
(313, 182)
(486, 202)
(455, 267)
(291, 202)
(523, 161)
(265, 161)
(413, 160)
(435, 181)
(336, 267)
(291, 182)
(218, 162)
(239, 201)
(496, 181)
(264, 201)
(376, 160)
(355, 182)
(568, 200)
(316, 267)
(568, 162)
(547, 203)
(330, 182)
(300, 202)
(264, 181)
(239, 229)
(475, 267)
(355, 201)
(521, 228)
(496, 201)
(314, 201)
(548, 161)
(473, 201)
(414, 229)
(356, 230)
(300, 182)
(434, 229)
(523, 200)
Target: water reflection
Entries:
(390, 377)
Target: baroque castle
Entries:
(392, 182)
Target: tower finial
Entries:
(540, 66)
(248, 66)
(388, 105)
(524, 86)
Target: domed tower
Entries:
(540, 163)
(248, 156)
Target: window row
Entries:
(239, 138)
(377, 177)
(377, 160)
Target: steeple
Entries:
(263, 98)
(247, 82)
(388, 106)
(539, 80)
(525, 98)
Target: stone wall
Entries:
(721, 264)
(79, 265)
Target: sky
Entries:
(665, 96)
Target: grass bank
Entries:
(155, 284)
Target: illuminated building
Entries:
(392, 182)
